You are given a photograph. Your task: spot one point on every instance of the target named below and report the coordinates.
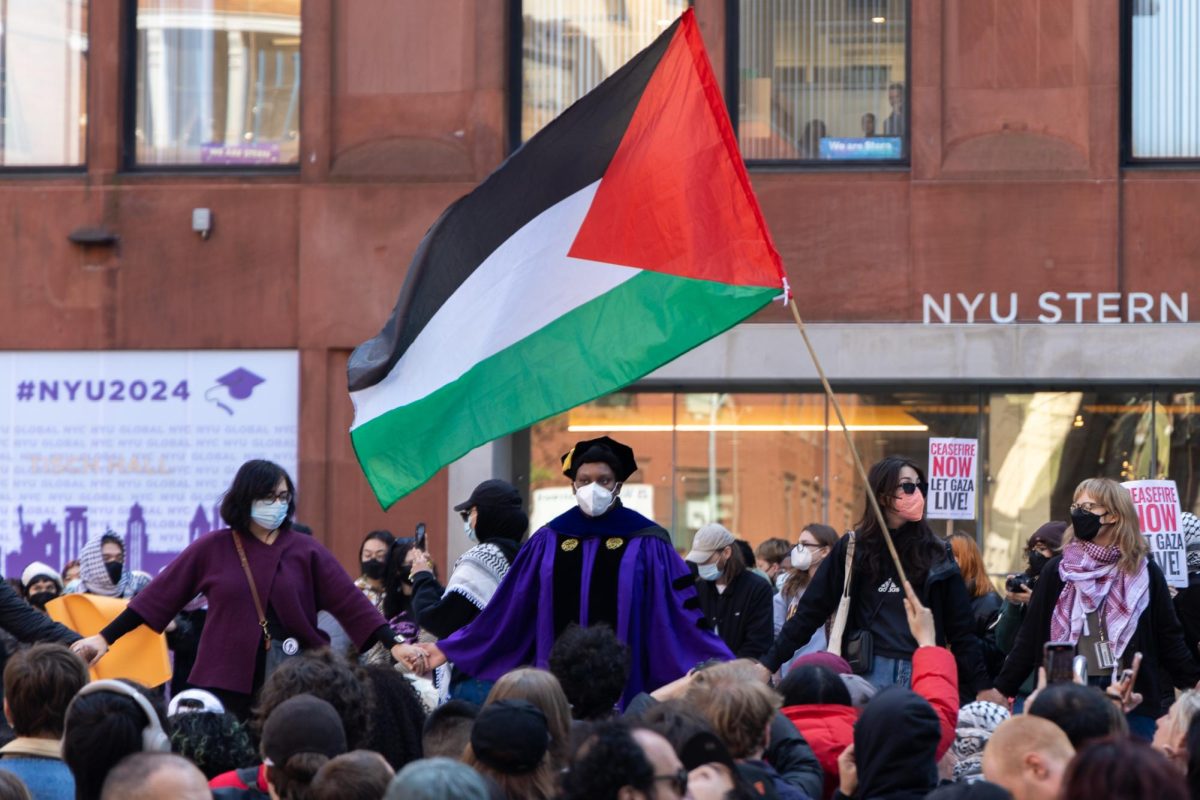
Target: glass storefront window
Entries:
(765, 464)
(569, 46)
(43, 83)
(218, 84)
(1164, 79)
(822, 81)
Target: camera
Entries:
(1019, 582)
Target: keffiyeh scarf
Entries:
(1091, 578)
(1191, 538)
(976, 723)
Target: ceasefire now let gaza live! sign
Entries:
(1158, 510)
(952, 468)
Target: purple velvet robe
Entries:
(657, 614)
(295, 575)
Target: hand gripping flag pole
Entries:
(862, 473)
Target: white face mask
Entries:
(594, 499)
(469, 531)
(781, 579)
(801, 557)
(709, 572)
(268, 513)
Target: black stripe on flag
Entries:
(570, 153)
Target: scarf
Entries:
(1091, 578)
(94, 577)
(1191, 538)
(976, 723)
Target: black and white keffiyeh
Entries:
(976, 723)
(477, 573)
(1191, 539)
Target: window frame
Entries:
(733, 89)
(56, 170)
(129, 101)
(1125, 112)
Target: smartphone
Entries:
(419, 539)
(1058, 658)
(1079, 667)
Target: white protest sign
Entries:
(952, 465)
(1157, 504)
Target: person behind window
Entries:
(868, 125)
(1106, 596)
(810, 141)
(816, 541)
(736, 601)
(894, 125)
(877, 595)
(985, 603)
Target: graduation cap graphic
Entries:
(238, 385)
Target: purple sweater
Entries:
(296, 576)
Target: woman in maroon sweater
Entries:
(294, 576)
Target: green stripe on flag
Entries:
(595, 349)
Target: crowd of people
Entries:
(590, 659)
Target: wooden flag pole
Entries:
(862, 473)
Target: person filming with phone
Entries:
(1105, 596)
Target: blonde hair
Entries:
(1126, 536)
(541, 688)
(738, 706)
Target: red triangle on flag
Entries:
(676, 197)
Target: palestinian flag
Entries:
(622, 235)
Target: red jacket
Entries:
(829, 729)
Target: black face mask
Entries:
(373, 570)
(1085, 524)
(1037, 562)
(39, 599)
(113, 568)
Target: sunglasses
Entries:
(678, 781)
(466, 515)
(909, 487)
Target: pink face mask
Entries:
(910, 506)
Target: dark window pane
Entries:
(218, 84)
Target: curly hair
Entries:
(607, 761)
(329, 677)
(397, 717)
(216, 743)
(592, 665)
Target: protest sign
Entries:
(1157, 504)
(952, 465)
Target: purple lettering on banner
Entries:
(72, 387)
(48, 389)
(98, 394)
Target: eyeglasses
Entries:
(1088, 507)
(909, 487)
(283, 497)
(678, 781)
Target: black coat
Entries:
(944, 592)
(744, 613)
(28, 624)
(1158, 637)
(1187, 606)
(986, 611)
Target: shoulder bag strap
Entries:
(843, 610)
(262, 617)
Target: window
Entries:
(820, 80)
(765, 463)
(218, 84)
(43, 77)
(1163, 83)
(569, 46)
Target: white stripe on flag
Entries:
(524, 285)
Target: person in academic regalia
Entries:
(600, 562)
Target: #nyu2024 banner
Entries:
(143, 443)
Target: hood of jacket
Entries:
(828, 728)
(895, 746)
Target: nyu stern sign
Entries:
(1052, 308)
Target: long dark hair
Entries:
(916, 544)
(395, 575)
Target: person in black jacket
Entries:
(877, 597)
(1104, 594)
(1187, 601)
(738, 603)
(492, 516)
(985, 603)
